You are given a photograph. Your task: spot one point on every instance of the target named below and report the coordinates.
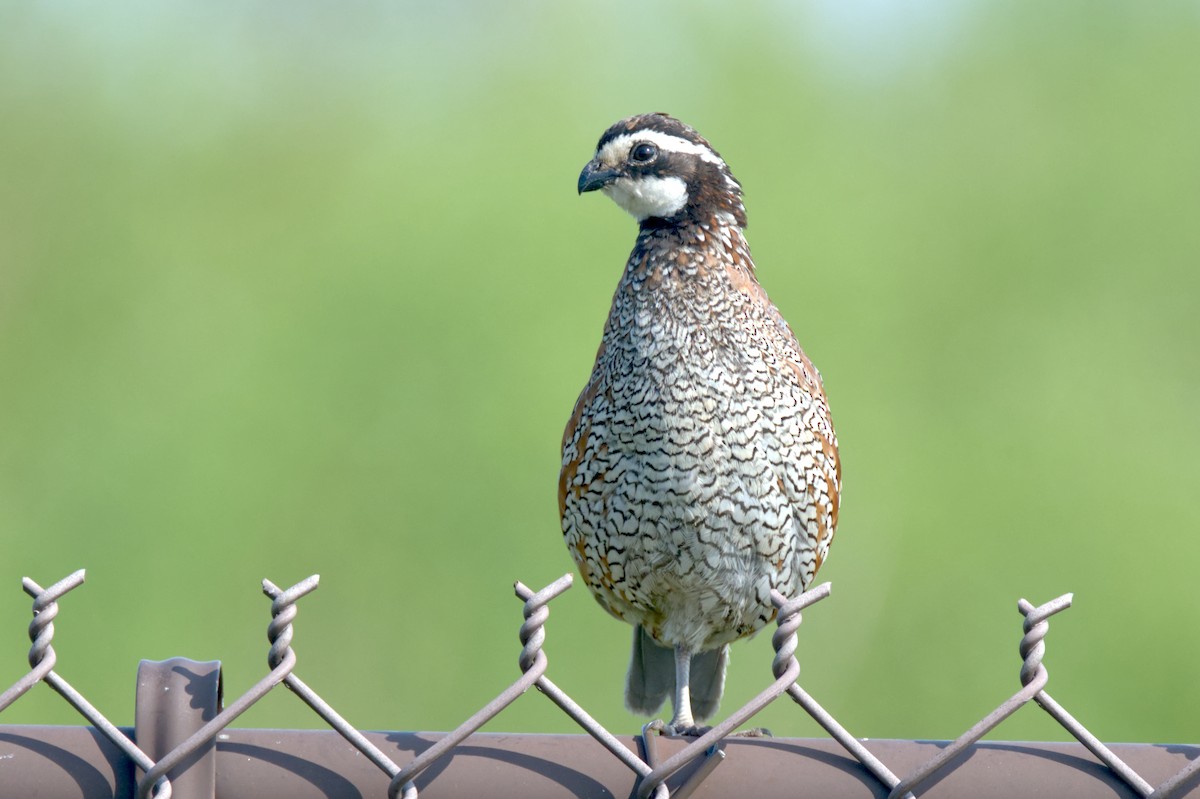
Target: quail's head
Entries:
(663, 172)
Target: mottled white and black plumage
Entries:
(699, 467)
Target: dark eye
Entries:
(643, 153)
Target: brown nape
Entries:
(716, 190)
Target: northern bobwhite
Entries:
(699, 467)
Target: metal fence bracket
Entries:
(175, 698)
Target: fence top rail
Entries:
(184, 750)
(269, 763)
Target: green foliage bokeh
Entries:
(287, 290)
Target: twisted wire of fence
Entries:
(649, 773)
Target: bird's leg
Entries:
(683, 723)
(683, 692)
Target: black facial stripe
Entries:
(668, 164)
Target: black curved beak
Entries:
(596, 175)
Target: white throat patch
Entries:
(649, 196)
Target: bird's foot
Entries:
(675, 728)
(695, 730)
(658, 725)
(754, 732)
(692, 730)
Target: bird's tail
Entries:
(651, 678)
(708, 681)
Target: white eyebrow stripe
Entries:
(615, 149)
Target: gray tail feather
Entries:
(651, 678)
(708, 681)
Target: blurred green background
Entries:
(299, 288)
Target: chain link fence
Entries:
(183, 747)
